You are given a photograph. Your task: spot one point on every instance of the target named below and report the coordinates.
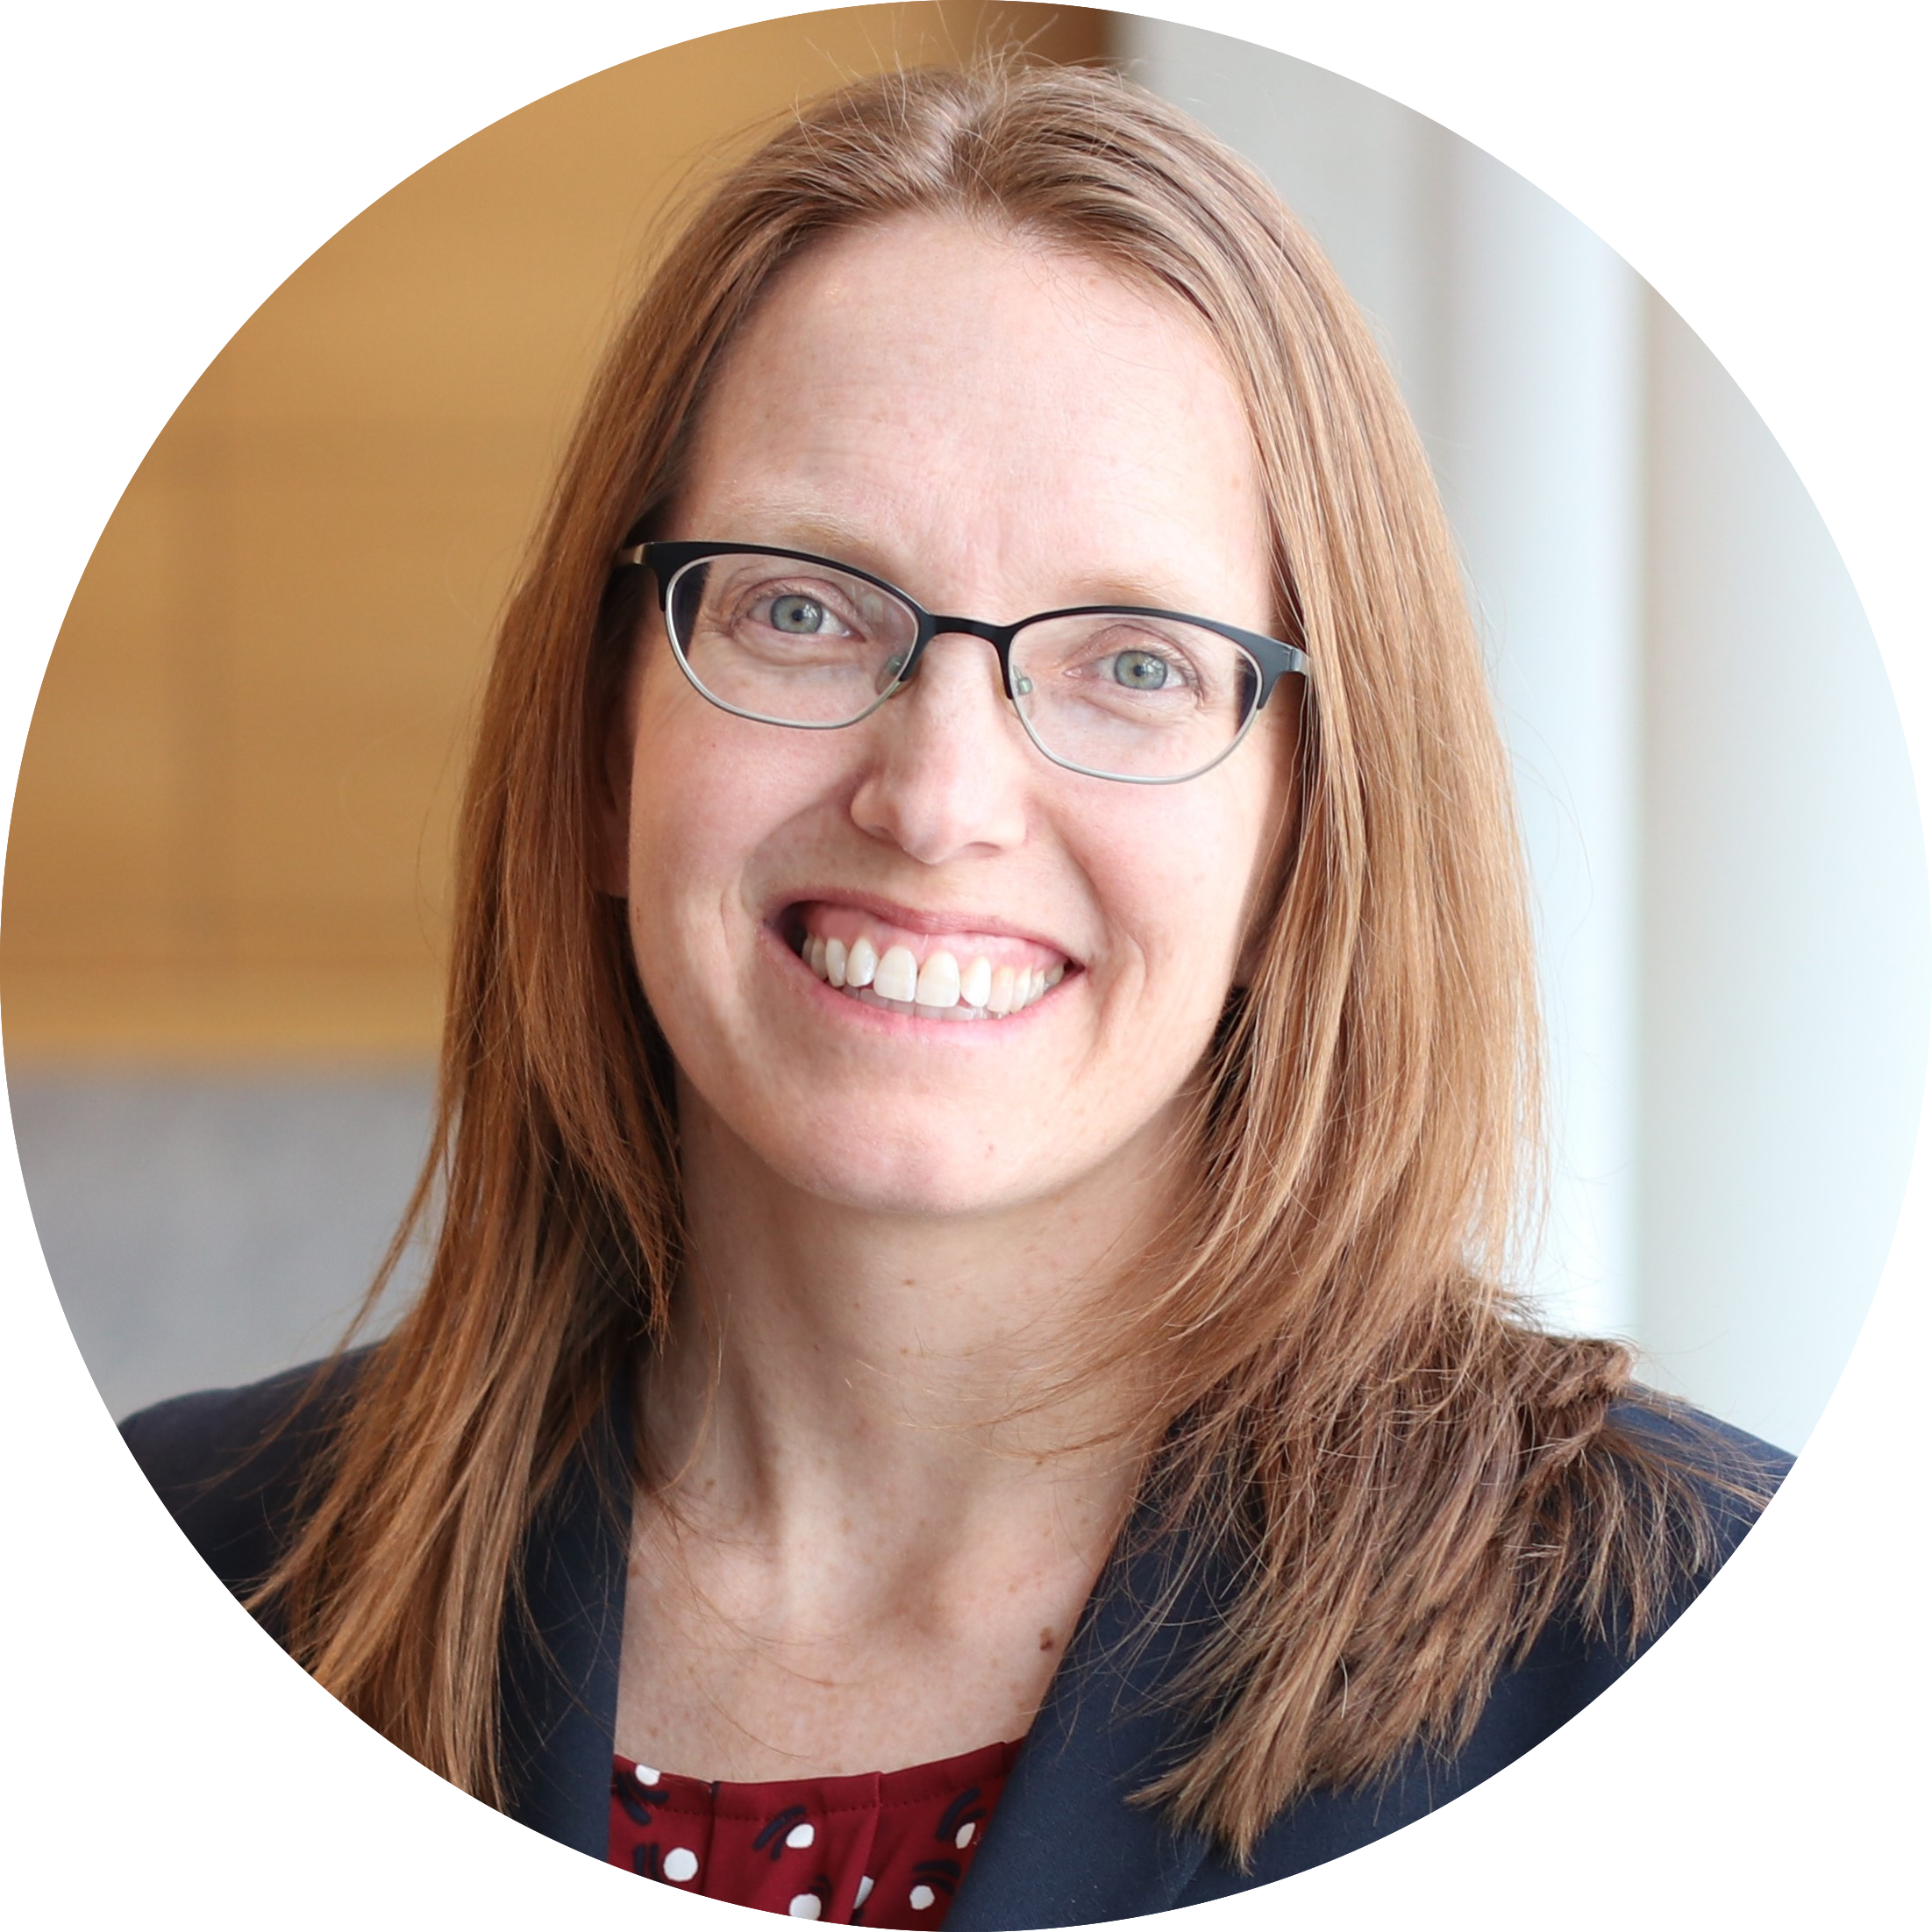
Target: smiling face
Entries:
(1000, 430)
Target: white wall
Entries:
(205, 1231)
(1785, 933)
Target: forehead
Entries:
(934, 392)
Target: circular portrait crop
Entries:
(905, 974)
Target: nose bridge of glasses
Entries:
(1000, 636)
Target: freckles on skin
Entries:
(1004, 451)
(1047, 436)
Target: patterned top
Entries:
(885, 1849)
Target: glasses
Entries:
(1149, 697)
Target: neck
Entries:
(827, 1357)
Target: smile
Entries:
(929, 976)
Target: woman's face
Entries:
(1000, 430)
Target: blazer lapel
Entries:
(559, 1664)
(1064, 1846)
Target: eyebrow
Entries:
(824, 533)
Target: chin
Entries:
(930, 1180)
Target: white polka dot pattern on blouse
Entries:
(891, 1850)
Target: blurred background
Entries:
(226, 889)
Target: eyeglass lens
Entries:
(1113, 693)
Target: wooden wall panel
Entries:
(231, 840)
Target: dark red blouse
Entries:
(884, 1848)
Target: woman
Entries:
(977, 1149)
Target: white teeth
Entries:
(898, 975)
(956, 1016)
(938, 980)
(939, 985)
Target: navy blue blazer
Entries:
(1064, 1848)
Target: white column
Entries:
(1538, 454)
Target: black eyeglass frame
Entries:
(667, 561)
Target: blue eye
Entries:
(1141, 671)
(800, 615)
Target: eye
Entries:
(1142, 671)
(1143, 664)
(800, 616)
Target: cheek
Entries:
(1178, 921)
(1181, 880)
(692, 773)
(675, 791)
(691, 827)
(713, 796)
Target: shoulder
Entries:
(1739, 1606)
(1726, 1475)
(1715, 1453)
(1688, 1488)
(231, 1464)
(1724, 1478)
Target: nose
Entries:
(948, 764)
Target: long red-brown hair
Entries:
(1413, 1476)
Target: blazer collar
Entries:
(1065, 1848)
(559, 1662)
